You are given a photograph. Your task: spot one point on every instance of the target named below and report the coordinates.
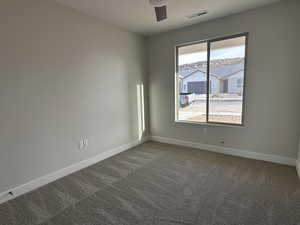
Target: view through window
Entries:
(210, 81)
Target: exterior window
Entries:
(184, 88)
(210, 80)
(239, 83)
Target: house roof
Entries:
(221, 68)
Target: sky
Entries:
(224, 53)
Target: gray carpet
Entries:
(159, 184)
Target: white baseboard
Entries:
(298, 167)
(41, 181)
(228, 151)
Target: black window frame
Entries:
(208, 42)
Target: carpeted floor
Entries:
(159, 184)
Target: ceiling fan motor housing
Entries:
(158, 3)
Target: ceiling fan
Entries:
(160, 7)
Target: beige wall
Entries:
(63, 76)
(272, 83)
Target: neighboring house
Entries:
(226, 76)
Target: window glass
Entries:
(192, 82)
(211, 92)
(227, 69)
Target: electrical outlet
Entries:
(81, 144)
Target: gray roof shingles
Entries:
(219, 68)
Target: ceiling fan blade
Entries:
(161, 13)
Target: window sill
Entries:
(210, 124)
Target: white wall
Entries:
(63, 76)
(272, 81)
(232, 83)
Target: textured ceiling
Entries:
(139, 16)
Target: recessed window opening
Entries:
(210, 81)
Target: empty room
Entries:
(149, 112)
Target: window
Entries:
(210, 80)
(239, 82)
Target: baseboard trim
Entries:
(41, 181)
(298, 167)
(228, 151)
